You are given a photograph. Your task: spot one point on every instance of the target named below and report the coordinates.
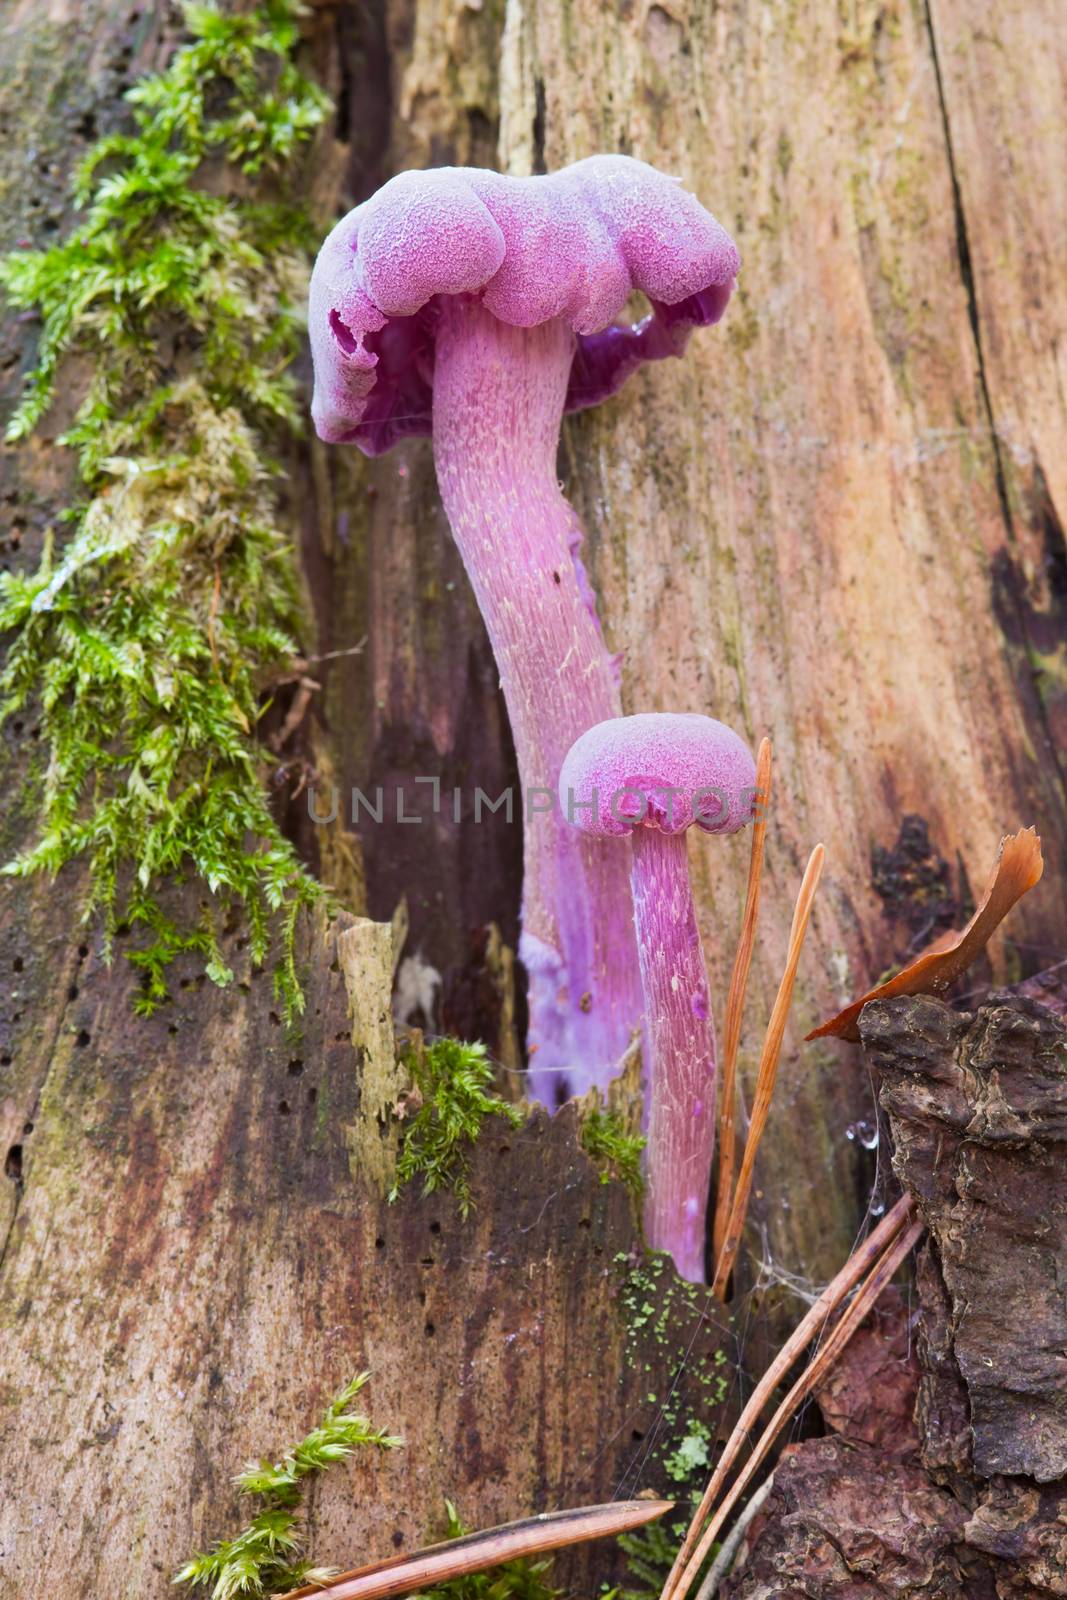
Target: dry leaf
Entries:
(1018, 868)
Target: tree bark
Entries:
(958, 1485)
(198, 1251)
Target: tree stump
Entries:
(839, 522)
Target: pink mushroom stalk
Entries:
(480, 308)
(651, 777)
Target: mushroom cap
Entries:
(574, 244)
(626, 766)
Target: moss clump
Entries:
(150, 638)
(445, 1113)
(265, 1558)
(618, 1153)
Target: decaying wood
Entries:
(823, 1533)
(479, 1002)
(200, 1256)
(800, 516)
(367, 952)
(767, 1075)
(735, 1005)
(867, 1296)
(868, 1397)
(978, 1107)
(859, 1263)
(195, 1250)
(839, 522)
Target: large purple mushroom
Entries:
(478, 308)
(650, 778)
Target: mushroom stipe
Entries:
(480, 308)
(649, 778)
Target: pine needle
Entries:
(880, 1276)
(808, 1329)
(443, 1567)
(735, 1003)
(768, 1072)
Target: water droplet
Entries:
(865, 1132)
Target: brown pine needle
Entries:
(807, 1330)
(735, 1002)
(768, 1072)
(880, 1278)
(476, 1552)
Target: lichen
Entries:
(150, 637)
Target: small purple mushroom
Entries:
(651, 777)
(479, 308)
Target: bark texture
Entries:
(195, 1245)
(975, 1502)
(196, 1251)
(978, 1108)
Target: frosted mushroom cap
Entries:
(574, 244)
(618, 775)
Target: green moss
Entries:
(265, 1558)
(447, 1110)
(690, 1457)
(618, 1153)
(151, 637)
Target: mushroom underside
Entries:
(399, 400)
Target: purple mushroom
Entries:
(478, 308)
(651, 777)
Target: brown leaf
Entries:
(1018, 868)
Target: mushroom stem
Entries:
(498, 396)
(680, 1049)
